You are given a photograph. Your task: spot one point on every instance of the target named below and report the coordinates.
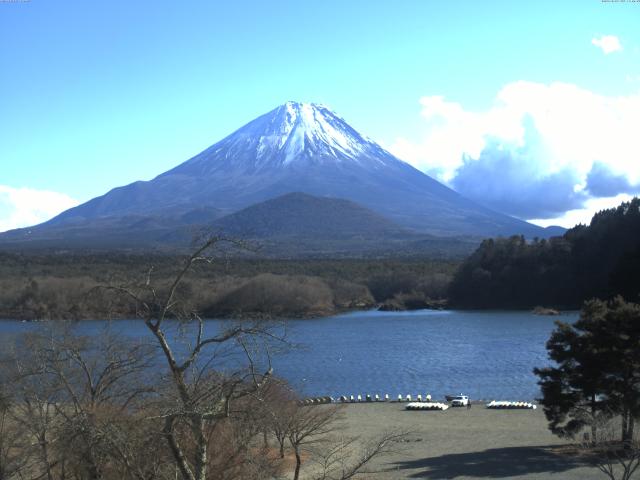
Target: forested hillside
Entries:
(599, 260)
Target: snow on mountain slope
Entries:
(292, 134)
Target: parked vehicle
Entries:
(459, 401)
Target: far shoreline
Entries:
(260, 316)
(307, 316)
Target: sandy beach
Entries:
(461, 443)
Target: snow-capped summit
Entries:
(292, 134)
(295, 130)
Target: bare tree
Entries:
(345, 458)
(310, 426)
(34, 411)
(316, 432)
(12, 443)
(616, 459)
(75, 396)
(279, 407)
(96, 411)
(30, 409)
(201, 392)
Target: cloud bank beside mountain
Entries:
(22, 207)
(540, 151)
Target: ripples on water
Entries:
(487, 355)
(483, 354)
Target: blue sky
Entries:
(95, 95)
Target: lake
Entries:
(486, 355)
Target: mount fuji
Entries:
(297, 147)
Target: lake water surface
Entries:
(487, 355)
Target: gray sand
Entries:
(461, 443)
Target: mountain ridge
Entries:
(301, 214)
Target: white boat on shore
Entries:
(503, 404)
(426, 406)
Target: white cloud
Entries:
(562, 128)
(607, 43)
(583, 215)
(23, 207)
